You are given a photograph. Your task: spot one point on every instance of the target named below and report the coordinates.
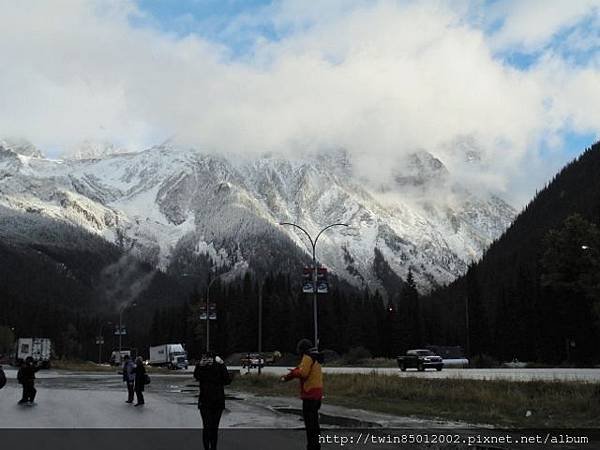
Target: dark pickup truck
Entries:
(420, 360)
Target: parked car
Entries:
(252, 360)
(452, 355)
(420, 359)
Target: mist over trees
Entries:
(64, 283)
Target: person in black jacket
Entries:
(26, 376)
(129, 377)
(140, 380)
(212, 374)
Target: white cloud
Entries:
(379, 79)
(530, 25)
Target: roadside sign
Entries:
(99, 340)
(322, 284)
(212, 312)
(120, 332)
(307, 281)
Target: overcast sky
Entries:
(519, 81)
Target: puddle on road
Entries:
(328, 419)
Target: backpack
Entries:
(2, 378)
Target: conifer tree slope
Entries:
(514, 306)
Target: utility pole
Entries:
(100, 340)
(313, 244)
(260, 299)
(468, 342)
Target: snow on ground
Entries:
(512, 374)
(552, 374)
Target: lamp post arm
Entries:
(210, 283)
(328, 227)
(312, 243)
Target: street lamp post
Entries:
(468, 330)
(121, 310)
(208, 310)
(313, 243)
(260, 313)
(101, 340)
(207, 307)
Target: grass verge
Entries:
(499, 403)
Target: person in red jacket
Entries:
(311, 389)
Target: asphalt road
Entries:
(92, 400)
(96, 401)
(87, 410)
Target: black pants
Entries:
(29, 391)
(210, 424)
(140, 395)
(310, 412)
(130, 390)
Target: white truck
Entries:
(40, 349)
(116, 359)
(172, 356)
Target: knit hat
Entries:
(302, 346)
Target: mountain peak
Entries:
(21, 147)
(89, 149)
(420, 168)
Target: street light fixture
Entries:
(121, 310)
(313, 243)
(208, 306)
(208, 311)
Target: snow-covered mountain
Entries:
(166, 202)
(93, 149)
(21, 146)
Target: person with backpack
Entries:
(311, 389)
(129, 377)
(212, 374)
(26, 377)
(141, 379)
